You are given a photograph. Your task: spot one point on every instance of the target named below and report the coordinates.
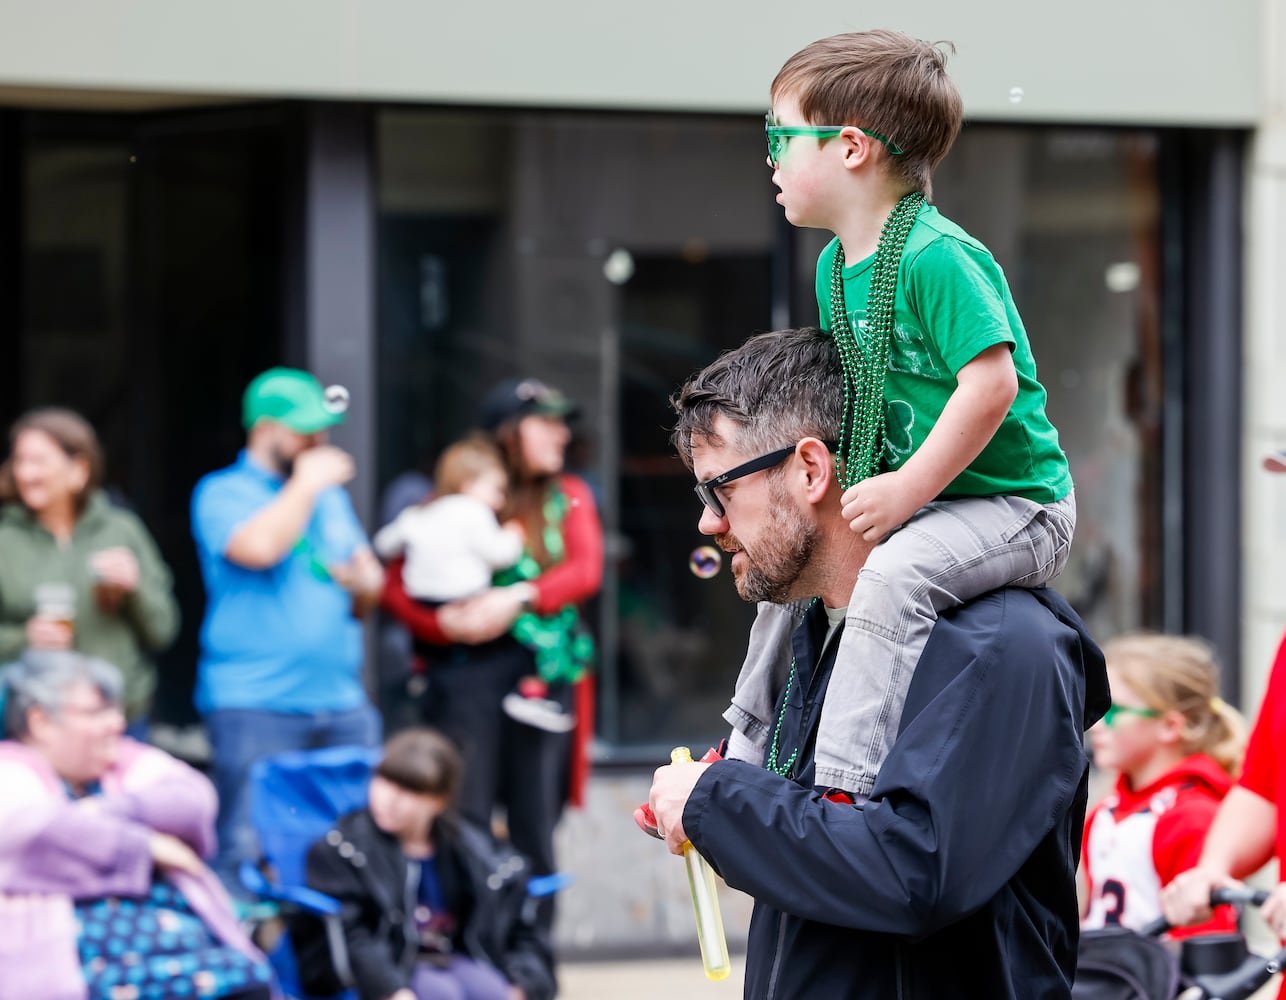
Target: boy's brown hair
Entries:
(885, 81)
(463, 462)
(421, 760)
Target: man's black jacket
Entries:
(957, 878)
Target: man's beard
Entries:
(786, 547)
(283, 463)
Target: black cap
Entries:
(516, 398)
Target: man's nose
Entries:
(711, 523)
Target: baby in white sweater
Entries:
(454, 543)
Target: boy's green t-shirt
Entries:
(952, 303)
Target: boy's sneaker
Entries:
(543, 713)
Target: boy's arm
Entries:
(985, 389)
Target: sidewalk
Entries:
(647, 979)
(676, 979)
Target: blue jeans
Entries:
(241, 736)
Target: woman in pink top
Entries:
(103, 892)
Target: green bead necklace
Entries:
(773, 764)
(782, 769)
(861, 440)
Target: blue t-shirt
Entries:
(281, 639)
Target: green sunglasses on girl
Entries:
(1115, 711)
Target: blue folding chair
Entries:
(295, 799)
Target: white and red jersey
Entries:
(1137, 841)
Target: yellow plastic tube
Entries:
(705, 900)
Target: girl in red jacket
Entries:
(1175, 746)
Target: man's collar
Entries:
(249, 463)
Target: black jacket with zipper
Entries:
(485, 885)
(956, 880)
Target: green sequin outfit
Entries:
(564, 652)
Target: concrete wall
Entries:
(1145, 61)
(1264, 537)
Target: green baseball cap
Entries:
(294, 399)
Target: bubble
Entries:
(336, 399)
(705, 561)
(1123, 276)
(618, 268)
(1015, 95)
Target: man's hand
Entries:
(322, 467)
(363, 577)
(671, 786)
(1186, 900)
(876, 506)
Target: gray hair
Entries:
(42, 678)
(776, 388)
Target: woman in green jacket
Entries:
(76, 572)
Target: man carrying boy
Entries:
(956, 878)
(951, 469)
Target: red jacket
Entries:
(1136, 841)
(1263, 772)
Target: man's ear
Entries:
(817, 467)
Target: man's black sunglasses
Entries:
(705, 491)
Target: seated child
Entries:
(433, 907)
(951, 467)
(454, 544)
(1175, 745)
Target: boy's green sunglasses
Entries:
(1115, 711)
(778, 134)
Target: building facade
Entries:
(416, 202)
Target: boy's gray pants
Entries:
(949, 552)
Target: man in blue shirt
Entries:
(288, 571)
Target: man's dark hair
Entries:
(776, 388)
